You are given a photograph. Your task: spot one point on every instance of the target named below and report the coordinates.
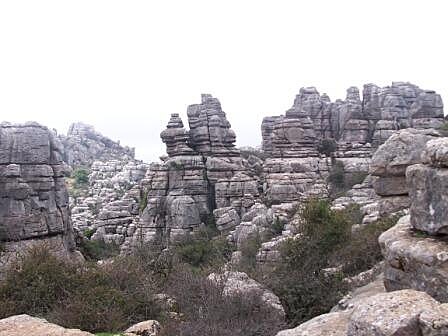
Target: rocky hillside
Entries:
(240, 228)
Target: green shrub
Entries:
(249, 250)
(327, 146)
(444, 129)
(143, 201)
(308, 278)
(203, 249)
(89, 297)
(81, 177)
(88, 233)
(336, 178)
(98, 249)
(207, 311)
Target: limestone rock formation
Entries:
(34, 203)
(112, 204)
(416, 250)
(389, 163)
(203, 177)
(404, 312)
(21, 325)
(83, 145)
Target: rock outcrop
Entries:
(34, 203)
(204, 177)
(20, 325)
(404, 312)
(83, 145)
(389, 164)
(416, 249)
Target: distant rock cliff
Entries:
(83, 145)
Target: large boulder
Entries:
(415, 260)
(145, 328)
(391, 314)
(22, 325)
(332, 324)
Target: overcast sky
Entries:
(125, 66)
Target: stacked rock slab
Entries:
(111, 207)
(83, 145)
(203, 173)
(389, 164)
(416, 249)
(34, 205)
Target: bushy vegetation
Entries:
(208, 311)
(204, 249)
(327, 146)
(98, 249)
(119, 292)
(309, 277)
(80, 177)
(89, 297)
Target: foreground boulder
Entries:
(22, 325)
(332, 324)
(399, 313)
(145, 328)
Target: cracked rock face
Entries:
(203, 176)
(33, 195)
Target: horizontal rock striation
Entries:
(34, 203)
(203, 178)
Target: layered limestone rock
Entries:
(357, 125)
(416, 249)
(34, 203)
(404, 312)
(83, 145)
(389, 163)
(204, 176)
(111, 207)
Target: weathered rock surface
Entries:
(405, 312)
(21, 325)
(83, 145)
(145, 328)
(203, 176)
(34, 203)
(414, 260)
(239, 283)
(390, 314)
(332, 324)
(389, 164)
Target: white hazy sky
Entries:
(124, 66)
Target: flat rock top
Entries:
(22, 325)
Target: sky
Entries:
(125, 66)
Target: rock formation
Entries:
(20, 325)
(416, 250)
(83, 145)
(34, 203)
(203, 173)
(389, 163)
(111, 207)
